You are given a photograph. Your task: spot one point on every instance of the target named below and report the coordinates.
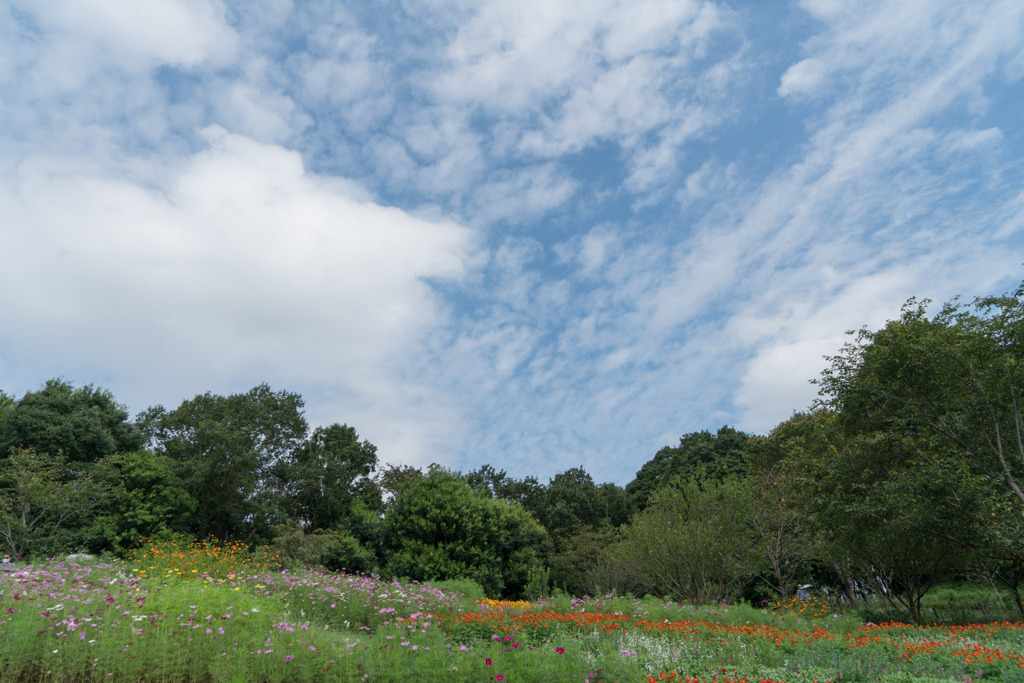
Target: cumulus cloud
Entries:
(244, 264)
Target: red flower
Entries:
(487, 661)
(560, 650)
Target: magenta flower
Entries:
(560, 650)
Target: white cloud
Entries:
(559, 77)
(136, 35)
(264, 115)
(522, 195)
(242, 265)
(513, 55)
(969, 140)
(803, 77)
(596, 248)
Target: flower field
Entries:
(202, 612)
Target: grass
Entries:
(198, 612)
(952, 604)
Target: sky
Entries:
(535, 234)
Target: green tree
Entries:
(614, 505)
(226, 450)
(436, 527)
(949, 387)
(718, 455)
(393, 477)
(877, 498)
(694, 541)
(582, 567)
(327, 473)
(492, 483)
(572, 501)
(146, 500)
(83, 424)
(42, 501)
(330, 548)
(488, 481)
(6, 403)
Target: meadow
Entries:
(206, 612)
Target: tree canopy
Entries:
(83, 424)
(225, 449)
(717, 455)
(437, 527)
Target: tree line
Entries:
(905, 473)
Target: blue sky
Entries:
(537, 234)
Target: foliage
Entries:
(718, 455)
(42, 498)
(6, 403)
(326, 473)
(568, 505)
(436, 527)
(81, 425)
(581, 567)
(929, 407)
(782, 530)
(949, 387)
(538, 584)
(328, 548)
(225, 450)
(571, 502)
(871, 499)
(694, 541)
(145, 499)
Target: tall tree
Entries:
(6, 403)
(225, 450)
(43, 502)
(717, 455)
(950, 387)
(869, 505)
(327, 473)
(572, 501)
(146, 499)
(84, 424)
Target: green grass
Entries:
(954, 603)
(155, 619)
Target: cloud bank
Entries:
(536, 235)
